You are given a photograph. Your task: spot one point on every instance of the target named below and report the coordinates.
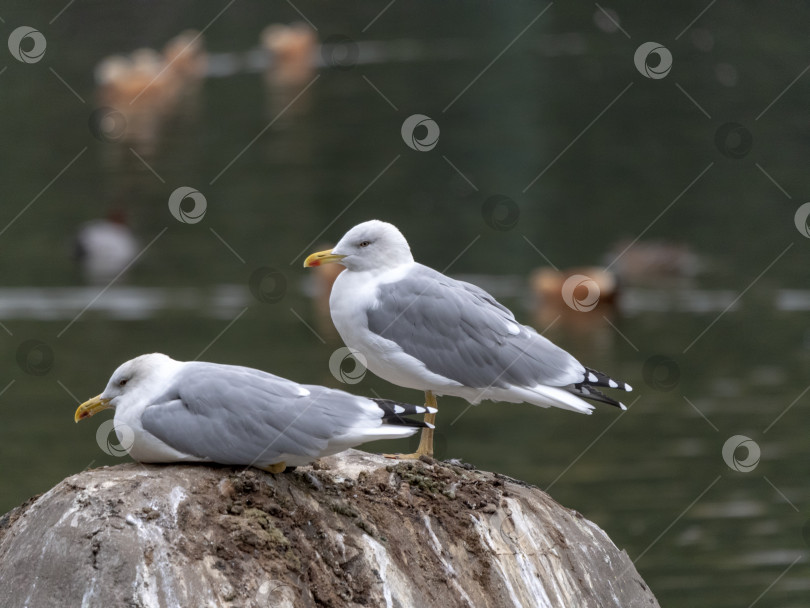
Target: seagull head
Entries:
(372, 245)
(133, 382)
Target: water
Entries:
(721, 355)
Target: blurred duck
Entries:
(290, 68)
(121, 78)
(653, 261)
(148, 87)
(184, 56)
(292, 50)
(323, 278)
(105, 247)
(581, 289)
(579, 300)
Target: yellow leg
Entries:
(426, 440)
(275, 468)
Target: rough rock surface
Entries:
(354, 530)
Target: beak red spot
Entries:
(315, 263)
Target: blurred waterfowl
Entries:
(148, 78)
(120, 78)
(185, 56)
(652, 261)
(105, 247)
(323, 278)
(581, 289)
(148, 87)
(292, 53)
(577, 299)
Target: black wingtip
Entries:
(409, 422)
(395, 412)
(595, 378)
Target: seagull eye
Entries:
(123, 382)
(364, 244)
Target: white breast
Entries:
(140, 444)
(352, 295)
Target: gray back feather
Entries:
(459, 331)
(239, 415)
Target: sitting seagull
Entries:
(175, 411)
(420, 329)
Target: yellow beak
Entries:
(322, 257)
(91, 407)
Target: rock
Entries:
(357, 530)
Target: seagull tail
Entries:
(589, 392)
(544, 396)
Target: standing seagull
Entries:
(420, 329)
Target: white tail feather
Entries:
(544, 396)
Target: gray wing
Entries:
(461, 332)
(238, 415)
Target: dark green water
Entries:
(627, 149)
